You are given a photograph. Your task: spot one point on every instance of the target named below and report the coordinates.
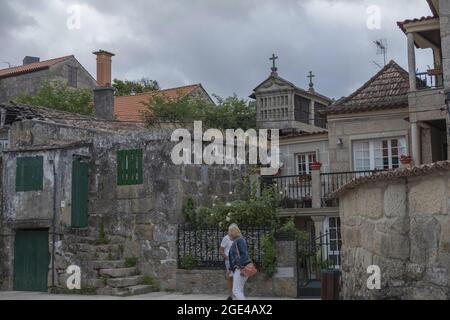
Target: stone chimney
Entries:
(104, 62)
(104, 103)
(104, 94)
(28, 60)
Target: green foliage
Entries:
(188, 262)
(246, 209)
(269, 257)
(229, 113)
(149, 280)
(57, 95)
(127, 87)
(102, 240)
(131, 262)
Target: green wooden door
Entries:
(80, 182)
(31, 260)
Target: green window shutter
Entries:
(129, 167)
(80, 192)
(29, 174)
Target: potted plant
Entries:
(316, 165)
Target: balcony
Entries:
(311, 191)
(431, 79)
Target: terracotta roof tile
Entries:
(388, 89)
(394, 174)
(401, 24)
(32, 67)
(130, 108)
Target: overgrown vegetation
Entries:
(127, 87)
(269, 256)
(102, 240)
(188, 262)
(131, 262)
(57, 95)
(229, 113)
(247, 208)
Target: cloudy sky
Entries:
(224, 44)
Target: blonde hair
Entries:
(234, 230)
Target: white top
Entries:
(226, 244)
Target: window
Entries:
(381, 154)
(335, 241)
(73, 77)
(129, 167)
(29, 174)
(304, 162)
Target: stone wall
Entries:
(444, 8)
(139, 221)
(401, 225)
(282, 284)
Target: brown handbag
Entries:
(249, 270)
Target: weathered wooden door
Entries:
(80, 174)
(31, 260)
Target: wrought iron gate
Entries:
(314, 255)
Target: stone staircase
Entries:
(109, 273)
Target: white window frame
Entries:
(372, 147)
(307, 163)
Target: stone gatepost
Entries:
(285, 279)
(316, 188)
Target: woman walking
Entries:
(239, 258)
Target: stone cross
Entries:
(311, 76)
(273, 59)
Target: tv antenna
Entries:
(382, 48)
(6, 62)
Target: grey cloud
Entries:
(223, 44)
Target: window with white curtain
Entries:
(379, 154)
(304, 162)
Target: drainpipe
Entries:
(54, 221)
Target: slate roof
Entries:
(130, 108)
(394, 174)
(32, 67)
(18, 112)
(388, 89)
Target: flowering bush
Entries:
(248, 208)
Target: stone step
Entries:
(125, 282)
(118, 272)
(108, 256)
(108, 248)
(133, 290)
(108, 264)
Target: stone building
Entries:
(30, 77)
(102, 195)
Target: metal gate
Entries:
(314, 255)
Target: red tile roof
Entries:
(32, 67)
(401, 24)
(388, 89)
(130, 108)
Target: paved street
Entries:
(9, 295)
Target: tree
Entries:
(127, 87)
(229, 113)
(57, 95)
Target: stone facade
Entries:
(362, 126)
(282, 284)
(31, 82)
(401, 225)
(139, 221)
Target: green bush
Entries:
(268, 257)
(131, 262)
(188, 262)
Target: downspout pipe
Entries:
(54, 220)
